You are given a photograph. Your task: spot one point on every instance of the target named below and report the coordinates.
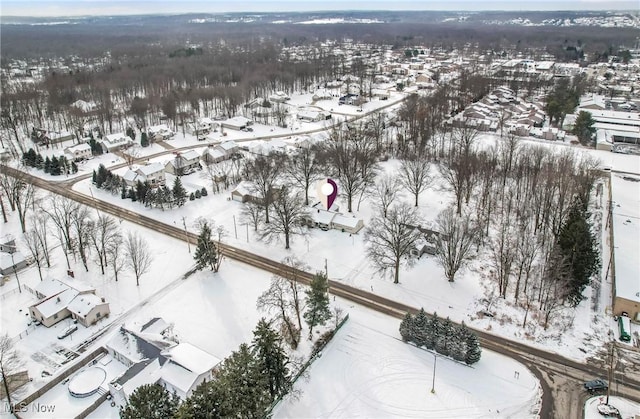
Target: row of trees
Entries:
(78, 232)
(245, 385)
(53, 165)
(447, 338)
(144, 192)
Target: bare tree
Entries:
(82, 226)
(115, 254)
(352, 158)
(277, 299)
(10, 364)
(34, 245)
(24, 201)
(265, 171)
(137, 255)
(304, 168)
(460, 175)
(385, 191)
(415, 175)
(105, 231)
(41, 229)
(251, 213)
(131, 155)
(290, 217)
(391, 239)
(294, 269)
(60, 210)
(454, 244)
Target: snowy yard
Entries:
(366, 371)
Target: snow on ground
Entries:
(65, 404)
(366, 371)
(139, 151)
(343, 256)
(627, 408)
(84, 167)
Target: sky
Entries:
(119, 7)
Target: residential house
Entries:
(347, 224)
(115, 142)
(60, 299)
(212, 155)
(313, 116)
(185, 162)
(159, 133)
(12, 261)
(153, 357)
(236, 123)
(247, 191)
(279, 97)
(152, 173)
(348, 99)
(79, 152)
(380, 94)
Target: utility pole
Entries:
(612, 348)
(186, 235)
(433, 383)
(235, 228)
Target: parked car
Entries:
(66, 332)
(596, 385)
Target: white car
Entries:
(66, 332)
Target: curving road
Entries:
(561, 378)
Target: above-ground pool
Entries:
(87, 382)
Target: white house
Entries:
(159, 132)
(347, 224)
(59, 300)
(186, 368)
(79, 152)
(114, 142)
(312, 116)
(228, 147)
(279, 97)
(152, 173)
(236, 123)
(213, 155)
(184, 163)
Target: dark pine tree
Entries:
(272, 359)
(179, 193)
(206, 402)
(473, 349)
(445, 336)
(433, 331)
(150, 401)
(39, 161)
(406, 328)
(420, 326)
(204, 192)
(54, 168)
(207, 253)
(318, 311)
(144, 141)
(47, 165)
(458, 347)
(577, 243)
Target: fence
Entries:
(306, 365)
(93, 406)
(55, 381)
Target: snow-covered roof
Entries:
(79, 147)
(215, 152)
(130, 176)
(190, 155)
(321, 216)
(245, 188)
(116, 138)
(192, 358)
(150, 169)
(156, 325)
(343, 220)
(228, 145)
(625, 194)
(50, 286)
(83, 304)
(150, 374)
(237, 121)
(56, 303)
(179, 377)
(6, 261)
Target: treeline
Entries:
(53, 165)
(157, 197)
(447, 338)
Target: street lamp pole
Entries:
(15, 272)
(186, 235)
(433, 383)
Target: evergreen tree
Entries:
(473, 349)
(55, 169)
(407, 328)
(144, 141)
(192, 197)
(578, 245)
(123, 191)
(458, 347)
(272, 359)
(420, 327)
(179, 193)
(445, 337)
(150, 401)
(433, 330)
(583, 128)
(318, 311)
(74, 167)
(47, 165)
(204, 192)
(204, 403)
(246, 393)
(39, 161)
(197, 193)
(207, 252)
(131, 133)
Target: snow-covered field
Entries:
(366, 371)
(627, 408)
